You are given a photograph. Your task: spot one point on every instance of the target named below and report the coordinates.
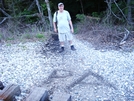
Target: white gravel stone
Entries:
(25, 65)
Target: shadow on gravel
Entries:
(61, 73)
(99, 78)
(58, 73)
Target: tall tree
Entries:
(41, 13)
(129, 15)
(49, 13)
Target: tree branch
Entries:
(109, 6)
(3, 21)
(120, 10)
(125, 37)
(31, 6)
(41, 12)
(4, 12)
(82, 8)
(37, 3)
(32, 15)
(116, 15)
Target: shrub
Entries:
(40, 36)
(80, 17)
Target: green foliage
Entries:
(80, 17)
(28, 19)
(132, 2)
(10, 38)
(44, 7)
(40, 35)
(121, 4)
(8, 44)
(95, 14)
(126, 11)
(28, 36)
(0, 37)
(26, 12)
(76, 30)
(23, 47)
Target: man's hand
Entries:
(71, 26)
(55, 30)
(72, 30)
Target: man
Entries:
(65, 27)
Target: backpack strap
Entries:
(56, 16)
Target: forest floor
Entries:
(103, 36)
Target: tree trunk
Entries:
(13, 8)
(4, 13)
(82, 8)
(2, 4)
(129, 15)
(49, 14)
(109, 12)
(41, 14)
(38, 5)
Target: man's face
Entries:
(61, 7)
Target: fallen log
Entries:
(8, 93)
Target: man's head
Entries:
(60, 6)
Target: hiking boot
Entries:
(72, 48)
(61, 50)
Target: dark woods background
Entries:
(96, 8)
(22, 7)
(83, 6)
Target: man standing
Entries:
(64, 26)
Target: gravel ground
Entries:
(108, 75)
